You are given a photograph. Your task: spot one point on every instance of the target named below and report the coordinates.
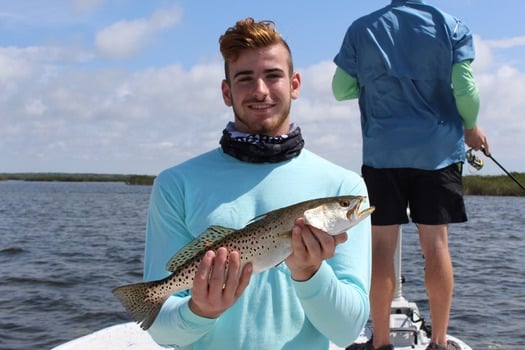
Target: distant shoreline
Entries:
(486, 185)
(79, 177)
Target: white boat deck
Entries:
(127, 336)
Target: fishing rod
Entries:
(477, 163)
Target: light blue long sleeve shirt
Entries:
(402, 56)
(274, 311)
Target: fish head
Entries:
(339, 215)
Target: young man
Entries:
(409, 65)
(320, 293)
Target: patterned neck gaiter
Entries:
(256, 148)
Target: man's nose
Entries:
(260, 89)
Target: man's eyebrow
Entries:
(274, 70)
(243, 72)
(266, 71)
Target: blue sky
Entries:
(123, 86)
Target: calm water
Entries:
(63, 246)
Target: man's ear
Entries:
(226, 93)
(295, 85)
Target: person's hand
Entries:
(310, 247)
(218, 283)
(476, 139)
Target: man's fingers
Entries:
(202, 275)
(244, 280)
(232, 274)
(218, 272)
(219, 282)
(340, 238)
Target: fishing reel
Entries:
(477, 163)
(474, 160)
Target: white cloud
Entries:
(35, 63)
(131, 122)
(122, 39)
(484, 57)
(127, 37)
(506, 43)
(10, 67)
(35, 107)
(61, 116)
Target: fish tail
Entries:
(139, 303)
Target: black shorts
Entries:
(434, 197)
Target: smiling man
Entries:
(263, 91)
(320, 293)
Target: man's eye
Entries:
(244, 79)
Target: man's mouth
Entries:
(261, 106)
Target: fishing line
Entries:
(477, 163)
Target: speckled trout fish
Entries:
(265, 242)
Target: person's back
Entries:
(409, 65)
(403, 61)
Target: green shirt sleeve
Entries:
(465, 93)
(344, 86)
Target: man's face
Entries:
(260, 90)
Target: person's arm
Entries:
(175, 324)
(465, 93)
(344, 86)
(467, 103)
(336, 298)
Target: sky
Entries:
(133, 87)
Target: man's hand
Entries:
(310, 247)
(219, 282)
(476, 139)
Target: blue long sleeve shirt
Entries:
(402, 56)
(274, 312)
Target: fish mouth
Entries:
(355, 215)
(362, 213)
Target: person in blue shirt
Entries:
(409, 65)
(319, 295)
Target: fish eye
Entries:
(344, 203)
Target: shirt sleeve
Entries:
(336, 298)
(344, 86)
(465, 93)
(175, 324)
(462, 41)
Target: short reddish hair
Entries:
(249, 34)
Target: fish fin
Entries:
(258, 217)
(205, 241)
(217, 230)
(139, 303)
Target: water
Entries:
(63, 246)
